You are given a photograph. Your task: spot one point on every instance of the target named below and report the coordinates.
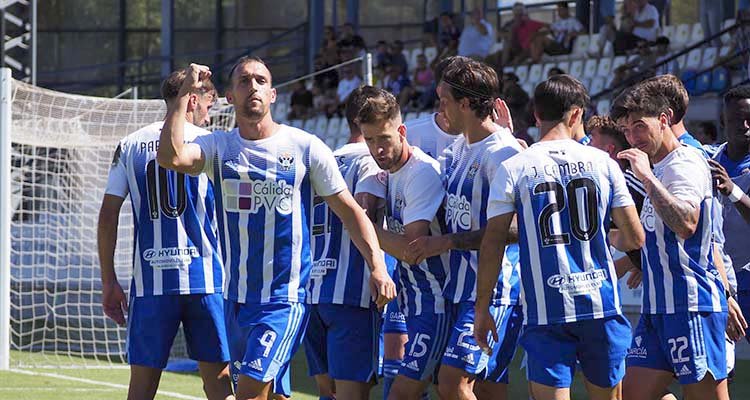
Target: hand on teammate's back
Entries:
(114, 303)
(720, 178)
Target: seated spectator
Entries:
(477, 38)
(302, 102)
(448, 51)
(396, 52)
(558, 38)
(395, 81)
(381, 57)
(662, 53)
(517, 35)
(423, 85)
(328, 34)
(325, 102)
(348, 38)
(347, 83)
(643, 26)
(707, 133)
(448, 30)
(325, 80)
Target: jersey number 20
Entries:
(585, 207)
(158, 197)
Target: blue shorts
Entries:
(599, 346)
(463, 353)
(393, 319)
(688, 344)
(428, 334)
(335, 327)
(263, 338)
(153, 322)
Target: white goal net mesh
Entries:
(62, 146)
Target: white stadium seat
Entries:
(681, 36)
(545, 70)
(594, 44)
(576, 69)
(321, 126)
(605, 67)
(581, 45)
(694, 59)
(597, 85)
(617, 61)
(727, 37)
(522, 72)
(589, 68)
(297, 123)
(603, 106)
(696, 33)
(724, 51)
(430, 53)
(535, 73)
(309, 124)
(667, 31)
(564, 65)
(710, 54)
(334, 125)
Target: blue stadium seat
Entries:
(703, 83)
(688, 79)
(719, 79)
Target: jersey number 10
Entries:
(158, 197)
(586, 207)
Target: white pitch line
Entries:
(100, 383)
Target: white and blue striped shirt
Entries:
(264, 192)
(469, 170)
(415, 193)
(563, 192)
(679, 274)
(426, 134)
(340, 274)
(175, 245)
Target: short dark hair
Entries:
(244, 60)
(562, 4)
(170, 87)
(558, 95)
(609, 128)
(378, 105)
(672, 90)
(475, 81)
(355, 101)
(637, 100)
(741, 92)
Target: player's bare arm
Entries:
(397, 245)
(679, 215)
(724, 184)
(491, 254)
(355, 220)
(629, 235)
(173, 152)
(114, 301)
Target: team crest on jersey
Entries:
(286, 161)
(382, 177)
(473, 169)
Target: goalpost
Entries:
(55, 153)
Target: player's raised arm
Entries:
(363, 235)
(173, 152)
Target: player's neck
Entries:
(668, 145)
(478, 130)
(256, 130)
(356, 137)
(554, 131)
(678, 130)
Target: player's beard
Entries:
(394, 159)
(252, 113)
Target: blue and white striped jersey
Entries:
(679, 275)
(469, 169)
(340, 274)
(264, 192)
(175, 249)
(426, 134)
(735, 230)
(562, 192)
(415, 193)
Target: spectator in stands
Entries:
(349, 38)
(707, 133)
(620, 75)
(325, 101)
(395, 81)
(477, 38)
(422, 90)
(663, 7)
(517, 35)
(662, 53)
(328, 79)
(330, 53)
(301, 105)
(448, 30)
(381, 57)
(396, 51)
(347, 83)
(328, 34)
(643, 26)
(448, 51)
(558, 38)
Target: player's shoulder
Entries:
(299, 137)
(504, 143)
(423, 163)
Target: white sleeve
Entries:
(324, 171)
(117, 182)
(423, 195)
(620, 194)
(502, 199)
(208, 147)
(687, 180)
(372, 179)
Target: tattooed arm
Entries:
(679, 215)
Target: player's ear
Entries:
(273, 95)
(192, 102)
(402, 130)
(228, 95)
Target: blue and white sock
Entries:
(390, 370)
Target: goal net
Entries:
(62, 147)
